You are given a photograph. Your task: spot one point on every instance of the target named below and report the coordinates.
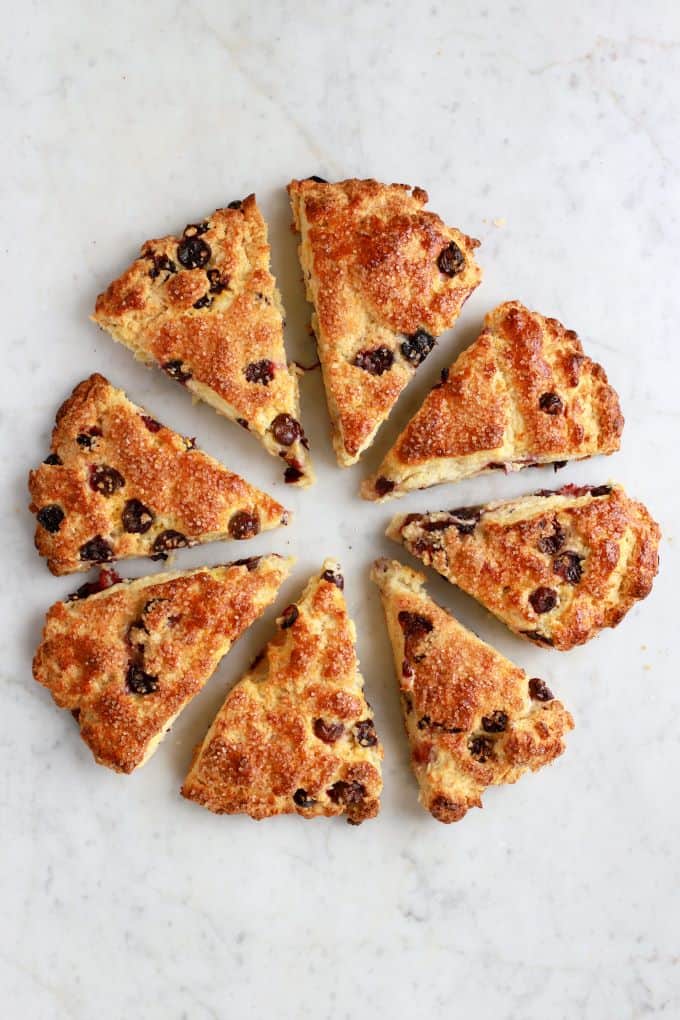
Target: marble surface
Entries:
(550, 132)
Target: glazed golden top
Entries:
(296, 734)
(126, 661)
(117, 483)
(385, 278)
(523, 393)
(205, 307)
(473, 718)
(556, 567)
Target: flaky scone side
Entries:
(126, 660)
(556, 567)
(523, 394)
(117, 483)
(385, 279)
(296, 734)
(206, 309)
(473, 718)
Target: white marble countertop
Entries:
(549, 131)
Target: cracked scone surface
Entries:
(385, 278)
(556, 566)
(524, 393)
(473, 718)
(205, 308)
(296, 733)
(127, 660)
(117, 483)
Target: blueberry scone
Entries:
(296, 734)
(385, 279)
(205, 307)
(126, 659)
(117, 483)
(524, 394)
(473, 718)
(556, 566)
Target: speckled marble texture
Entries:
(550, 132)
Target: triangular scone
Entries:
(205, 307)
(522, 395)
(556, 566)
(473, 718)
(127, 660)
(385, 279)
(296, 733)
(117, 483)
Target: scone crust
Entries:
(229, 351)
(172, 628)
(296, 733)
(369, 254)
(523, 394)
(556, 567)
(468, 712)
(160, 482)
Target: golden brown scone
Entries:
(205, 307)
(127, 660)
(472, 717)
(385, 279)
(117, 483)
(296, 733)
(523, 394)
(556, 566)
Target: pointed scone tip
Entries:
(205, 308)
(125, 659)
(524, 394)
(117, 483)
(473, 718)
(556, 567)
(296, 734)
(385, 279)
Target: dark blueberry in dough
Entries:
(244, 525)
(551, 403)
(196, 229)
(236, 204)
(600, 490)
(375, 361)
(568, 566)
(289, 616)
(203, 302)
(286, 429)
(53, 460)
(139, 682)
(416, 347)
(250, 562)
(217, 282)
(451, 260)
(480, 748)
(465, 519)
(328, 732)
(383, 486)
(334, 577)
(302, 799)
(551, 544)
(496, 722)
(292, 475)
(365, 734)
(543, 599)
(151, 423)
(260, 372)
(97, 550)
(176, 371)
(193, 252)
(161, 264)
(414, 625)
(539, 690)
(169, 540)
(105, 480)
(318, 180)
(50, 517)
(137, 518)
(346, 793)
